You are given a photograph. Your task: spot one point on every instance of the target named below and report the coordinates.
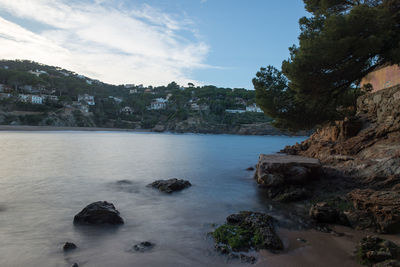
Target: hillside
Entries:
(37, 94)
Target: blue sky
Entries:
(219, 42)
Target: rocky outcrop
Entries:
(375, 251)
(377, 210)
(283, 176)
(367, 145)
(99, 213)
(171, 185)
(247, 230)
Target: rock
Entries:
(278, 170)
(290, 194)
(246, 230)
(75, 265)
(322, 212)
(375, 250)
(143, 246)
(382, 207)
(285, 175)
(250, 169)
(171, 185)
(99, 213)
(388, 263)
(247, 259)
(69, 246)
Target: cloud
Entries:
(104, 39)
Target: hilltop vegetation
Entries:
(164, 108)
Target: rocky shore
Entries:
(346, 173)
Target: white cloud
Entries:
(104, 40)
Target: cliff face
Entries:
(366, 146)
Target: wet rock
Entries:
(75, 265)
(381, 209)
(373, 250)
(69, 246)
(246, 230)
(99, 213)
(322, 212)
(250, 169)
(284, 176)
(171, 185)
(388, 263)
(143, 246)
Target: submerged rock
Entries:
(143, 246)
(98, 213)
(375, 251)
(250, 169)
(171, 185)
(69, 246)
(247, 230)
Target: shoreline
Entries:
(29, 128)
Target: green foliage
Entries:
(339, 44)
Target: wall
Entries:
(383, 78)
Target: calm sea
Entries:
(48, 177)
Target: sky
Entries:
(153, 42)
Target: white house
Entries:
(159, 103)
(253, 108)
(88, 99)
(133, 91)
(127, 110)
(35, 99)
(37, 72)
(235, 110)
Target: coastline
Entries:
(29, 128)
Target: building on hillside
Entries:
(34, 99)
(158, 103)
(201, 107)
(37, 73)
(128, 86)
(88, 99)
(90, 82)
(148, 90)
(127, 110)
(253, 108)
(383, 77)
(5, 95)
(235, 110)
(52, 98)
(115, 99)
(133, 91)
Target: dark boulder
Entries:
(99, 213)
(250, 169)
(143, 246)
(373, 250)
(69, 246)
(322, 212)
(171, 185)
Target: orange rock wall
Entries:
(383, 78)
